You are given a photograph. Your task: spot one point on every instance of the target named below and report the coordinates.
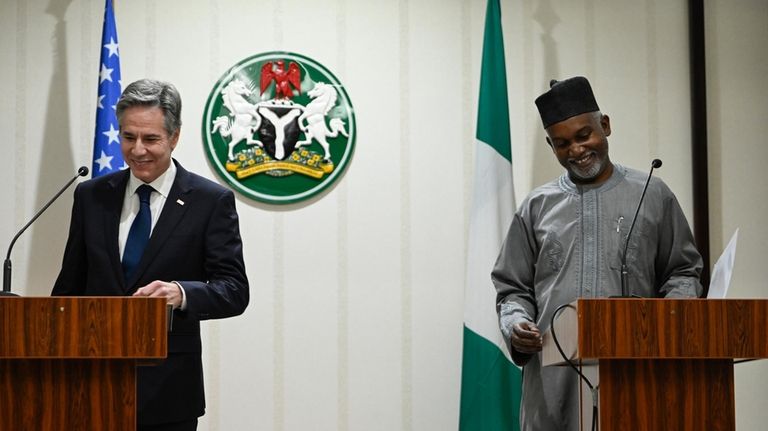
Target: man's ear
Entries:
(175, 138)
(605, 123)
(549, 142)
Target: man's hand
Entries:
(161, 289)
(526, 337)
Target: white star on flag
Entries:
(108, 91)
(112, 134)
(105, 161)
(105, 74)
(112, 47)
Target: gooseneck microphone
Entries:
(83, 171)
(656, 163)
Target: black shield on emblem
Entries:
(279, 130)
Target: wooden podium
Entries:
(663, 364)
(69, 363)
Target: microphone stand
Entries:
(656, 163)
(83, 171)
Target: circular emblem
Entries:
(279, 127)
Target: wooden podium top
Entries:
(645, 328)
(83, 327)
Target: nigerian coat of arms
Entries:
(279, 127)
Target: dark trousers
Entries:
(176, 426)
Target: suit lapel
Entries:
(170, 216)
(113, 196)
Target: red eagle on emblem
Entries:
(284, 79)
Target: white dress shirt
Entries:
(157, 198)
(131, 204)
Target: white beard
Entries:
(589, 172)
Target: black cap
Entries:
(566, 99)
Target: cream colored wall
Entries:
(363, 329)
(737, 66)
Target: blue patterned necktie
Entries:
(138, 236)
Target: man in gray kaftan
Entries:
(566, 242)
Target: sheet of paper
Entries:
(721, 272)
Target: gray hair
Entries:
(150, 93)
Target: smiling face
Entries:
(580, 144)
(145, 143)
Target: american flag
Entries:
(107, 157)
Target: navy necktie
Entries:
(138, 236)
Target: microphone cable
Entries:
(592, 389)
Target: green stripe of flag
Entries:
(488, 399)
(493, 109)
(490, 383)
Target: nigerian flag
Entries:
(490, 383)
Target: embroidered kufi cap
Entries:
(566, 99)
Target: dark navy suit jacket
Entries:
(196, 242)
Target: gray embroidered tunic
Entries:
(566, 242)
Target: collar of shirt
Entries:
(161, 184)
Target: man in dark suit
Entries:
(158, 230)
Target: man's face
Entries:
(581, 146)
(145, 144)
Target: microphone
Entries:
(656, 163)
(83, 171)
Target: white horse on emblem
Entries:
(323, 99)
(242, 126)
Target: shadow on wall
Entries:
(55, 166)
(546, 167)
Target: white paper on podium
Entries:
(721, 272)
